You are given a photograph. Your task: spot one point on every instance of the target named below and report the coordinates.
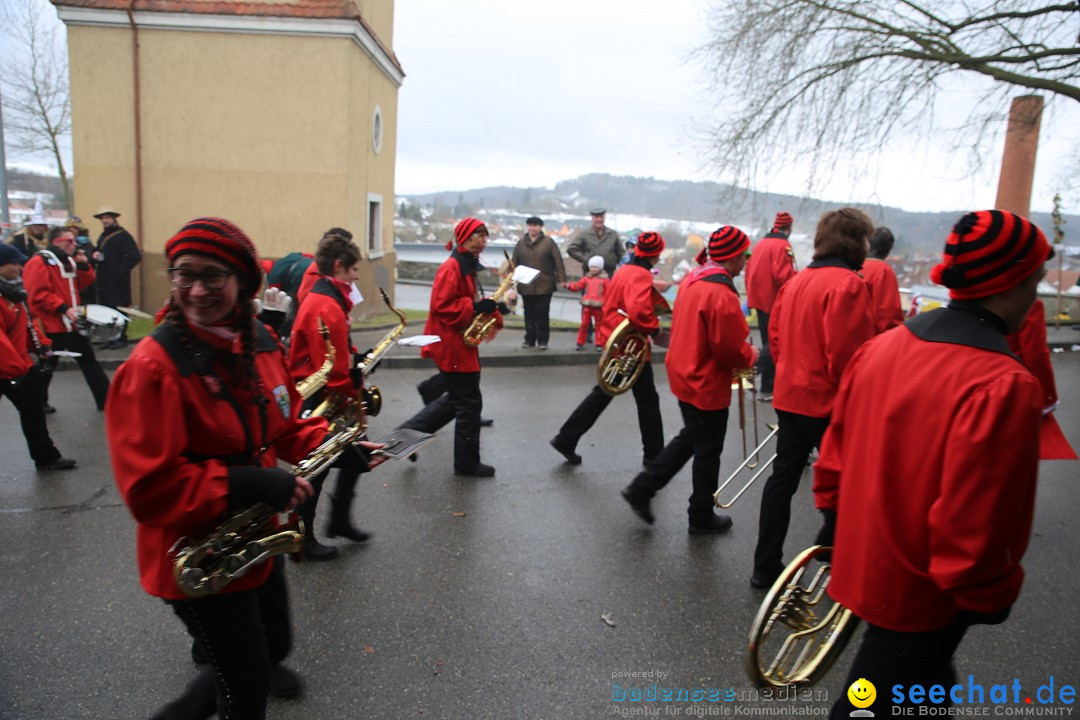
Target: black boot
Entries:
(340, 524)
(313, 549)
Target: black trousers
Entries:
(537, 318)
(243, 633)
(702, 438)
(888, 657)
(798, 435)
(461, 401)
(96, 379)
(431, 389)
(592, 407)
(766, 367)
(28, 397)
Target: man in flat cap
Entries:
(114, 259)
(597, 239)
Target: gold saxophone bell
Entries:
(484, 323)
(251, 537)
(626, 352)
(799, 626)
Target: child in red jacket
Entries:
(592, 287)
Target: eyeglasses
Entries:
(211, 279)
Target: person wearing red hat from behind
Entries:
(708, 344)
(629, 296)
(456, 298)
(771, 265)
(928, 543)
(820, 318)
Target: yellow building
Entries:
(280, 115)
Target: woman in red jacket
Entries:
(197, 419)
(820, 318)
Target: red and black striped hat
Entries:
(464, 229)
(649, 244)
(726, 243)
(221, 240)
(783, 220)
(988, 252)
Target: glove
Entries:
(828, 529)
(358, 361)
(249, 485)
(504, 308)
(487, 305)
(354, 458)
(274, 299)
(971, 617)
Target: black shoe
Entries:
(347, 531)
(639, 506)
(61, 463)
(284, 683)
(571, 457)
(48, 409)
(477, 470)
(764, 581)
(486, 422)
(710, 525)
(316, 551)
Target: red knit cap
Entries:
(783, 220)
(727, 242)
(221, 240)
(464, 229)
(649, 244)
(989, 252)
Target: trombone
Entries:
(743, 380)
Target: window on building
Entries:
(374, 226)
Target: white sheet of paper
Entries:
(65, 353)
(419, 340)
(354, 294)
(523, 274)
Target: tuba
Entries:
(372, 396)
(626, 352)
(251, 536)
(484, 323)
(799, 626)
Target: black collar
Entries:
(324, 286)
(831, 262)
(962, 324)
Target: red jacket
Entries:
(451, 311)
(14, 359)
(631, 290)
(770, 266)
(327, 301)
(928, 529)
(595, 289)
(820, 318)
(157, 418)
(708, 341)
(307, 281)
(53, 281)
(884, 294)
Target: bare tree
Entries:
(820, 80)
(37, 105)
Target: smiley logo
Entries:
(862, 693)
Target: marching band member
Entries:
(821, 316)
(631, 291)
(708, 344)
(456, 298)
(771, 265)
(929, 542)
(328, 302)
(880, 278)
(54, 277)
(196, 420)
(19, 379)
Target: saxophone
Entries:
(372, 395)
(484, 323)
(314, 382)
(251, 537)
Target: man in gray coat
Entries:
(597, 239)
(539, 251)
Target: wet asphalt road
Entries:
(476, 598)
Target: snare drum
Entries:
(100, 323)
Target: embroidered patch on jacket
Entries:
(281, 394)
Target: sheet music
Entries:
(403, 442)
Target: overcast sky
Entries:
(510, 93)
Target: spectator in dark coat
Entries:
(114, 259)
(538, 251)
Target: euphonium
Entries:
(315, 381)
(626, 352)
(482, 325)
(251, 537)
(372, 396)
(817, 627)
